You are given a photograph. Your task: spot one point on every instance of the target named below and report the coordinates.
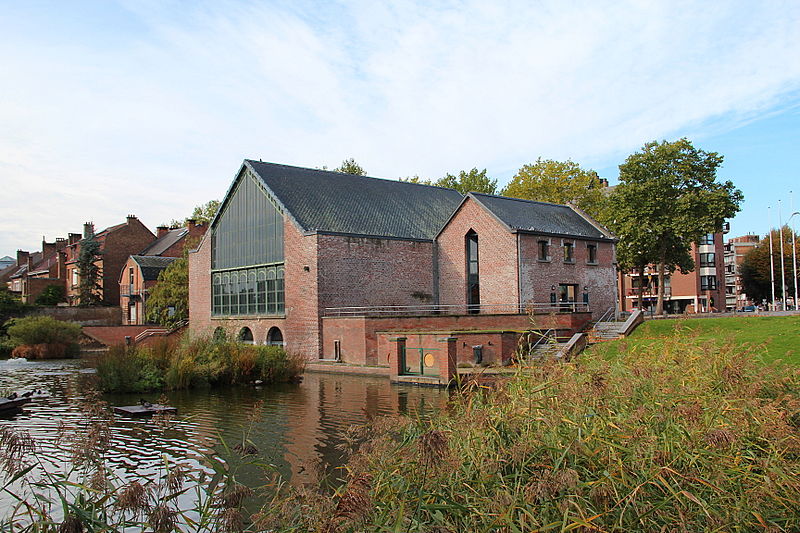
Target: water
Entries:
(297, 429)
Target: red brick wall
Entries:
(200, 289)
(538, 277)
(497, 252)
(359, 335)
(119, 244)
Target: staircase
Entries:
(608, 330)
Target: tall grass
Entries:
(687, 436)
(194, 362)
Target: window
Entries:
(708, 283)
(591, 250)
(569, 252)
(246, 336)
(707, 260)
(75, 279)
(544, 251)
(708, 238)
(275, 337)
(473, 280)
(248, 292)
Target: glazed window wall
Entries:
(247, 255)
(251, 291)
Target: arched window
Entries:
(473, 281)
(219, 334)
(246, 336)
(274, 337)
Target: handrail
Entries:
(542, 338)
(557, 307)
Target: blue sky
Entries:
(148, 107)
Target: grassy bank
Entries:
(194, 362)
(769, 337)
(691, 436)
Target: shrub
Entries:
(52, 295)
(42, 337)
(195, 362)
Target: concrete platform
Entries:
(330, 367)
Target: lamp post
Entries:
(783, 263)
(771, 262)
(794, 253)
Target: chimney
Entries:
(74, 237)
(62, 267)
(131, 218)
(161, 231)
(603, 182)
(48, 248)
(191, 223)
(22, 258)
(88, 229)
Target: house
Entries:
(34, 272)
(117, 243)
(699, 291)
(140, 272)
(6, 261)
(337, 267)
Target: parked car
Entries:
(748, 309)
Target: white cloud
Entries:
(157, 119)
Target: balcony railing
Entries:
(483, 309)
(649, 292)
(130, 290)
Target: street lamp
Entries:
(794, 253)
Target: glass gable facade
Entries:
(247, 255)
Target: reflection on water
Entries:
(296, 428)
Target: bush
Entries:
(198, 362)
(52, 295)
(41, 337)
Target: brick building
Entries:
(735, 250)
(333, 265)
(699, 291)
(117, 243)
(34, 272)
(140, 272)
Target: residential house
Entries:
(140, 272)
(337, 267)
(117, 243)
(39, 270)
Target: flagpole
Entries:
(783, 263)
(794, 250)
(771, 261)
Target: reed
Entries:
(194, 362)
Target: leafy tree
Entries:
(349, 166)
(417, 179)
(472, 181)
(168, 303)
(559, 182)
(89, 288)
(668, 197)
(52, 295)
(755, 267)
(202, 214)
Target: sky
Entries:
(110, 108)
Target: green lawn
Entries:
(771, 337)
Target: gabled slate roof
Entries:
(539, 217)
(333, 202)
(152, 265)
(162, 244)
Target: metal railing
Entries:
(649, 292)
(413, 310)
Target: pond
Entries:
(297, 429)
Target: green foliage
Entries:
(349, 166)
(469, 181)
(755, 267)
(668, 198)
(416, 179)
(198, 362)
(52, 295)
(558, 182)
(89, 288)
(682, 437)
(168, 303)
(42, 330)
(201, 214)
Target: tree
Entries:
(201, 214)
(349, 166)
(755, 268)
(668, 197)
(416, 179)
(52, 295)
(168, 303)
(472, 181)
(559, 182)
(89, 288)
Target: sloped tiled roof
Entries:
(160, 245)
(334, 202)
(539, 217)
(152, 265)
